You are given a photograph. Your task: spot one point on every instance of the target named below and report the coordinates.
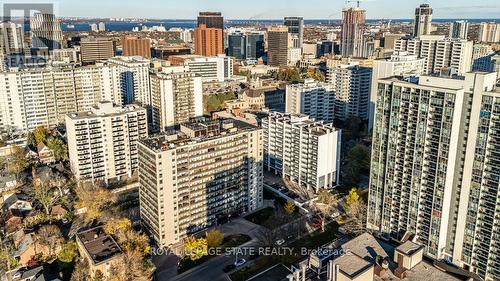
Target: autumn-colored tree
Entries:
(355, 222)
(69, 252)
(195, 248)
(17, 162)
(94, 200)
(115, 226)
(81, 271)
(214, 238)
(40, 134)
(7, 250)
(58, 148)
(131, 268)
(289, 208)
(130, 240)
(352, 197)
(50, 236)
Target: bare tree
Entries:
(266, 237)
(94, 199)
(51, 237)
(355, 223)
(81, 271)
(324, 206)
(131, 268)
(45, 195)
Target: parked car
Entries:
(239, 262)
(280, 242)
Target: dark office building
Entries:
(296, 26)
(243, 46)
(211, 20)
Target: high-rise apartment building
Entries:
(245, 45)
(177, 96)
(42, 97)
(302, 150)
(277, 46)
(459, 29)
(135, 46)
(439, 52)
(200, 175)
(434, 171)
(133, 75)
(102, 27)
(296, 27)
(94, 49)
(489, 32)
(313, 98)
(209, 34)
(351, 84)
(11, 38)
(102, 143)
(217, 68)
(353, 29)
(399, 64)
(46, 31)
(423, 20)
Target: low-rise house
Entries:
(45, 155)
(13, 221)
(48, 175)
(7, 182)
(13, 202)
(37, 274)
(58, 212)
(27, 248)
(100, 250)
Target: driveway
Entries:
(211, 270)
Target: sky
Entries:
(272, 9)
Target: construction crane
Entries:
(350, 1)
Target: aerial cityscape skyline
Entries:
(261, 9)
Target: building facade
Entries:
(353, 29)
(217, 68)
(202, 174)
(304, 151)
(399, 64)
(459, 29)
(434, 169)
(489, 32)
(176, 97)
(440, 53)
(312, 98)
(135, 46)
(11, 38)
(296, 26)
(102, 143)
(93, 49)
(351, 85)
(423, 20)
(46, 31)
(277, 46)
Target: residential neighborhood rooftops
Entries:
(99, 245)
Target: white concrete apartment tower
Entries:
(302, 150)
(200, 175)
(176, 97)
(102, 143)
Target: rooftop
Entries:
(198, 130)
(316, 127)
(409, 248)
(105, 109)
(352, 264)
(99, 245)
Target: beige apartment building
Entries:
(202, 174)
(102, 143)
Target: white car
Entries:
(280, 242)
(240, 262)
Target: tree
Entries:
(289, 208)
(352, 197)
(324, 206)
(81, 271)
(17, 162)
(50, 236)
(214, 238)
(69, 252)
(45, 195)
(131, 268)
(7, 250)
(195, 248)
(94, 200)
(357, 161)
(40, 134)
(115, 226)
(130, 240)
(58, 148)
(355, 223)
